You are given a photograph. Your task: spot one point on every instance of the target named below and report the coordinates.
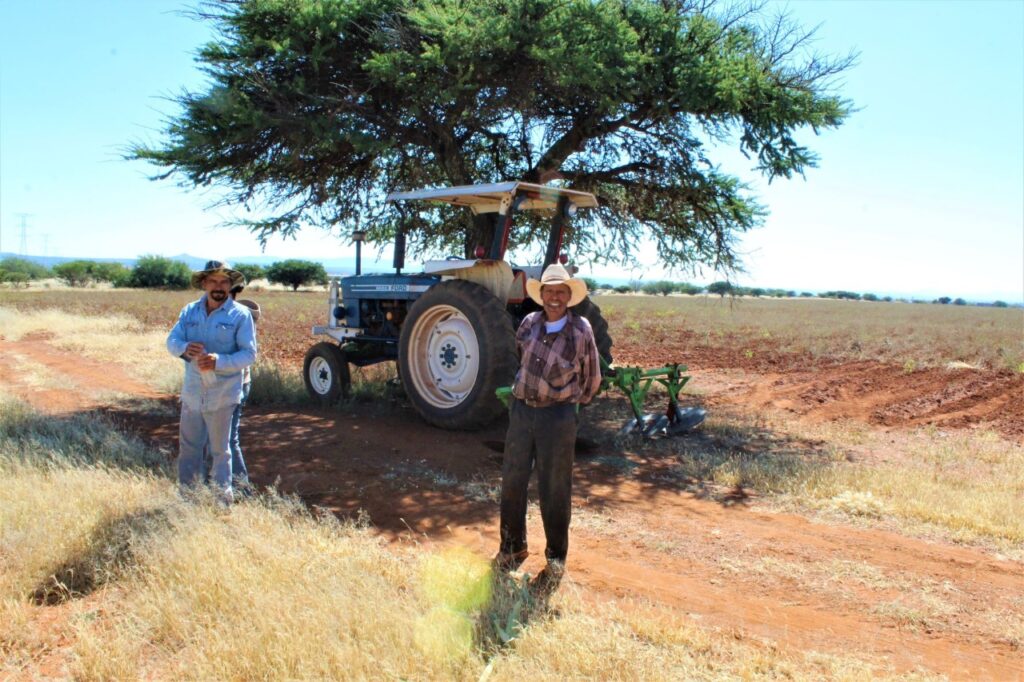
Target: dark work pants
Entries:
(544, 437)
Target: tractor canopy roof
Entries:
(489, 198)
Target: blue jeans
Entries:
(196, 430)
(238, 469)
(239, 472)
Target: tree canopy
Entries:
(315, 109)
(296, 273)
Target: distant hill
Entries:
(50, 261)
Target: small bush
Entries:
(720, 288)
(663, 287)
(14, 279)
(296, 273)
(24, 266)
(109, 272)
(76, 273)
(157, 272)
(251, 272)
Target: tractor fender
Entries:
(493, 275)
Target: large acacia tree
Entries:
(314, 109)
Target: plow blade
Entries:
(683, 419)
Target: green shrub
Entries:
(687, 288)
(296, 273)
(251, 271)
(25, 267)
(157, 272)
(109, 272)
(663, 287)
(75, 273)
(14, 279)
(720, 288)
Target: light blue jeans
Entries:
(238, 468)
(239, 472)
(195, 430)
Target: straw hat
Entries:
(217, 267)
(556, 274)
(253, 307)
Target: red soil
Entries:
(640, 532)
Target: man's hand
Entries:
(194, 350)
(208, 362)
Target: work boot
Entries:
(550, 577)
(509, 561)
(224, 498)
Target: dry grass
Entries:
(965, 486)
(267, 591)
(969, 484)
(905, 334)
(119, 339)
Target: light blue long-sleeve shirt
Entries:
(230, 333)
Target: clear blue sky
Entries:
(921, 192)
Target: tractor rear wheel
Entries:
(456, 348)
(325, 373)
(588, 309)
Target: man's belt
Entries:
(538, 403)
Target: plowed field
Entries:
(645, 527)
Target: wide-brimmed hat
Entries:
(556, 274)
(253, 307)
(217, 267)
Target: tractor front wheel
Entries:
(456, 348)
(325, 373)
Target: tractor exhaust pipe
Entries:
(399, 261)
(358, 236)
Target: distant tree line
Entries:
(151, 272)
(158, 272)
(724, 288)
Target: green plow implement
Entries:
(636, 382)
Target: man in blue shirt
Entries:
(217, 338)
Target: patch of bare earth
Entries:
(640, 533)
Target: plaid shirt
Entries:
(563, 367)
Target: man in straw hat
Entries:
(239, 471)
(559, 369)
(217, 338)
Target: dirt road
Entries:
(640, 530)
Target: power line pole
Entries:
(24, 232)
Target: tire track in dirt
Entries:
(85, 379)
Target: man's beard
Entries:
(218, 295)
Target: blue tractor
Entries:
(450, 328)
